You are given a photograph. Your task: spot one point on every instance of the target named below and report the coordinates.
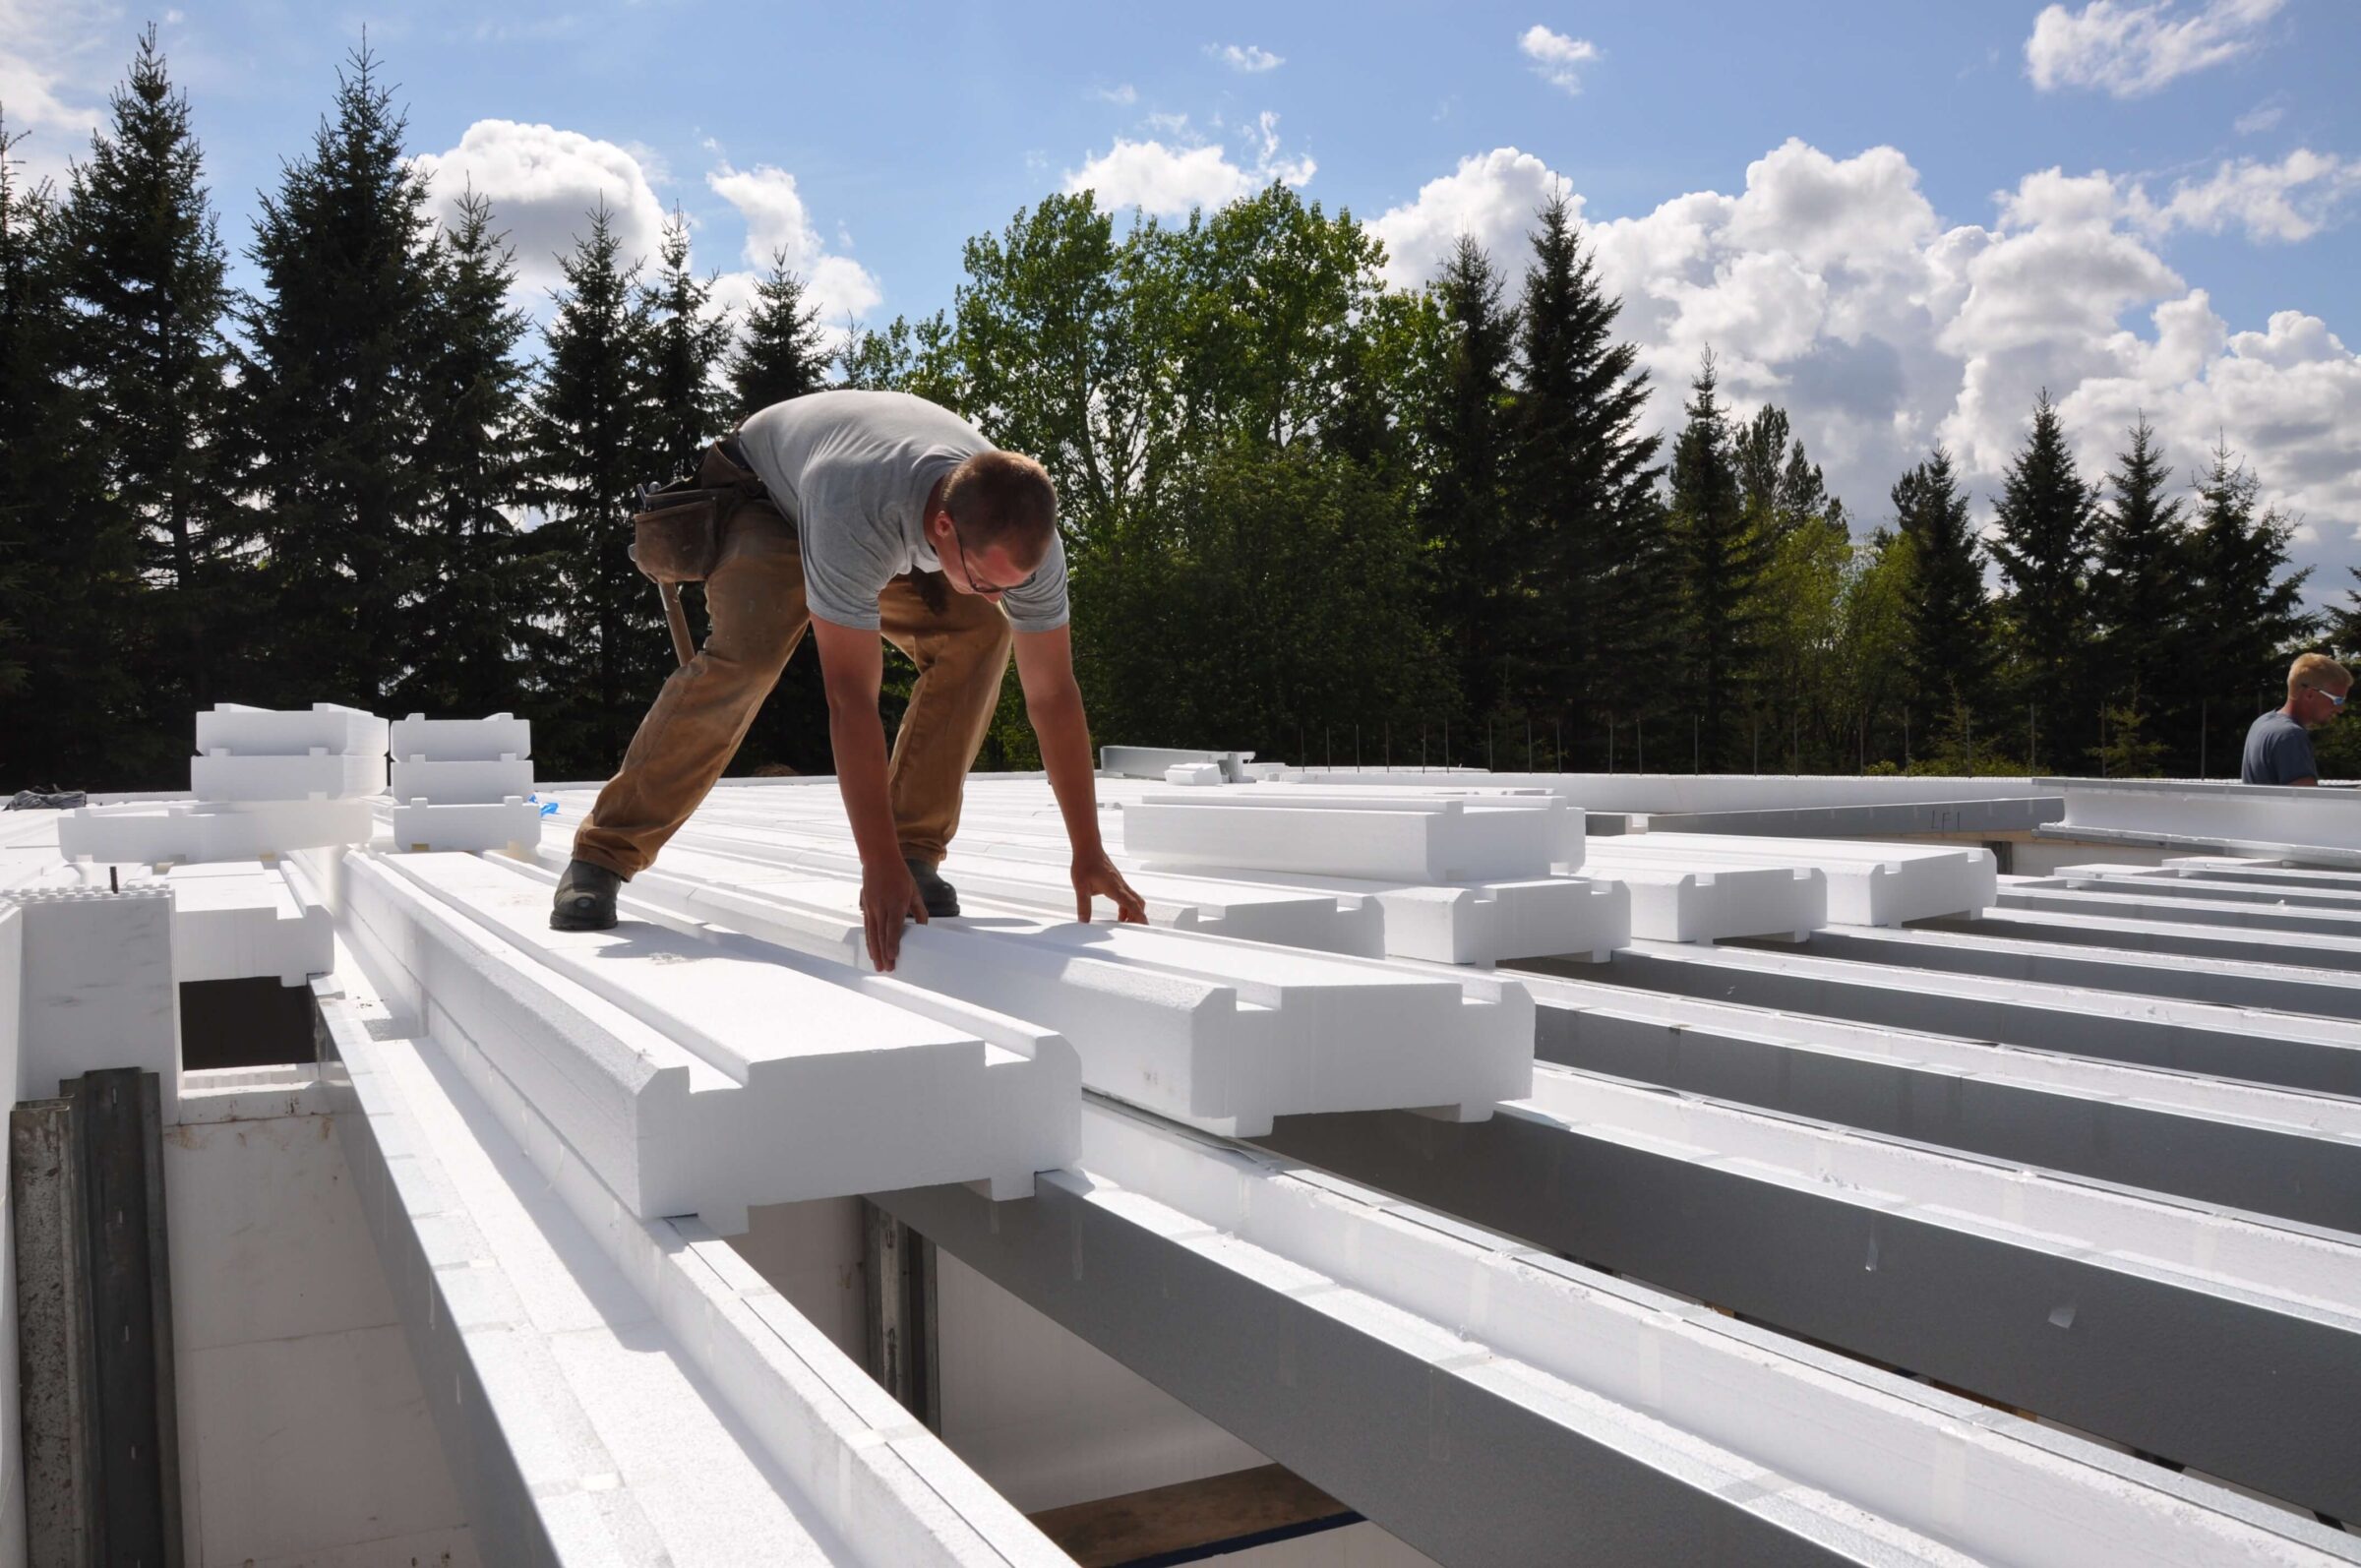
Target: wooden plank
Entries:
(1178, 1523)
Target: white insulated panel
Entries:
(321, 776)
(247, 923)
(1223, 1034)
(158, 833)
(1868, 883)
(509, 824)
(239, 731)
(701, 1073)
(1193, 774)
(503, 737)
(461, 783)
(1484, 923)
(98, 989)
(1408, 838)
(1702, 902)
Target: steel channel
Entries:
(2099, 929)
(2238, 1387)
(2235, 1164)
(1881, 996)
(2189, 909)
(2046, 955)
(1338, 1404)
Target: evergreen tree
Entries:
(1949, 658)
(783, 353)
(2247, 608)
(332, 382)
(466, 622)
(593, 428)
(1584, 483)
(68, 565)
(2138, 584)
(687, 344)
(2342, 626)
(1722, 558)
(145, 266)
(1463, 517)
(2042, 544)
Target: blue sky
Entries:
(1849, 203)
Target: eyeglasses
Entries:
(2333, 699)
(969, 572)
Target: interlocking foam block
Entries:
(461, 783)
(322, 776)
(1426, 838)
(501, 737)
(98, 986)
(155, 835)
(1703, 903)
(1868, 883)
(291, 732)
(511, 823)
(243, 923)
(1193, 774)
(1223, 1034)
(703, 1071)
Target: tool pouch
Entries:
(676, 533)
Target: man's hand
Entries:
(888, 894)
(1096, 874)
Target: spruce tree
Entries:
(593, 431)
(2139, 580)
(2042, 544)
(1584, 483)
(69, 566)
(332, 380)
(2247, 609)
(1951, 658)
(782, 353)
(1722, 560)
(470, 614)
(145, 265)
(687, 344)
(1465, 517)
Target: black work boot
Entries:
(585, 898)
(939, 896)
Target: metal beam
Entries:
(2191, 907)
(2208, 1371)
(2098, 1128)
(1492, 1405)
(2321, 1058)
(2160, 936)
(897, 1277)
(65, 1514)
(2049, 954)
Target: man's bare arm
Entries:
(1045, 667)
(852, 664)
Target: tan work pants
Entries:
(754, 599)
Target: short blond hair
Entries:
(2319, 672)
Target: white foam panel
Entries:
(290, 732)
(1223, 1034)
(247, 923)
(321, 776)
(155, 835)
(1395, 837)
(1868, 883)
(511, 823)
(701, 1071)
(503, 735)
(98, 988)
(1703, 903)
(461, 783)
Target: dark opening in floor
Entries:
(245, 1023)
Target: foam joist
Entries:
(232, 730)
(98, 986)
(221, 776)
(698, 1071)
(1702, 898)
(1396, 837)
(158, 833)
(423, 826)
(1868, 883)
(1222, 1034)
(502, 737)
(248, 922)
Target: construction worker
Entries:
(2278, 744)
(882, 515)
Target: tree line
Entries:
(1306, 513)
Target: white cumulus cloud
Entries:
(543, 184)
(2129, 50)
(56, 60)
(777, 219)
(1557, 58)
(1166, 181)
(1252, 59)
(1830, 285)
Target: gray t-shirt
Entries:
(853, 470)
(2278, 752)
